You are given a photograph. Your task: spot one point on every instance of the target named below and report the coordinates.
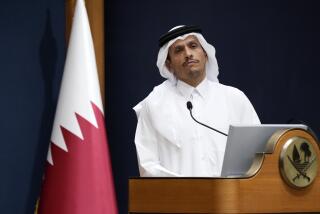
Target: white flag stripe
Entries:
(78, 87)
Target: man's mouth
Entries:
(190, 62)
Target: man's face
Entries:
(187, 60)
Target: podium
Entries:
(283, 179)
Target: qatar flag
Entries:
(78, 177)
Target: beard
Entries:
(194, 74)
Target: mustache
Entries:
(190, 61)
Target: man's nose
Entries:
(188, 52)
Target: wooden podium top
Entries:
(263, 190)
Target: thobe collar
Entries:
(187, 90)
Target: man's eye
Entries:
(177, 50)
(194, 45)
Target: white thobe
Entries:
(170, 143)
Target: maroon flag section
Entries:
(80, 180)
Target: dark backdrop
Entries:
(32, 48)
(268, 49)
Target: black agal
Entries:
(178, 32)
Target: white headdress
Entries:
(211, 65)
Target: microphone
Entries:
(189, 106)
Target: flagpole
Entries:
(95, 9)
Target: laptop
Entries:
(244, 142)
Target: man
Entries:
(168, 141)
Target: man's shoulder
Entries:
(156, 97)
(234, 96)
(160, 91)
(227, 90)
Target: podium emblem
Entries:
(298, 162)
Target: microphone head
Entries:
(189, 105)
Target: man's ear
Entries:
(168, 64)
(205, 53)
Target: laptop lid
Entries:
(244, 142)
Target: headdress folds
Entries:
(181, 32)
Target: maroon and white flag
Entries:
(78, 177)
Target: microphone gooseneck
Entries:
(189, 106)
